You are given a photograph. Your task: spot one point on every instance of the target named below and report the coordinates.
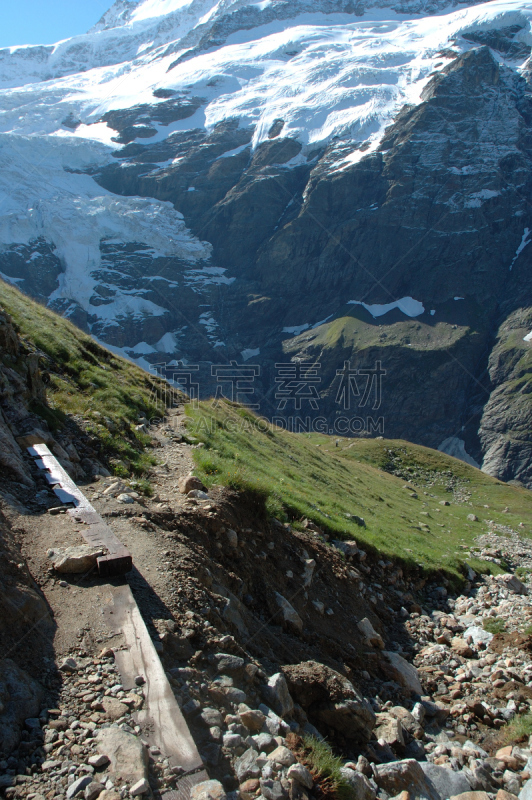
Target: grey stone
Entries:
(404, 673)
(227, 663)
(362, 788)
(78, 786)
(282, 755)
(208, 790)
(446, 781)
(406, 775)
(277, 694)
(290, 616)
(526, 791)
(126, 753)
(272, 790)
(246, 766)
(93, 790)
(78, 559)
(212, 717)
(300, 774)
(140, 787)
(98, 761)
(370, 634)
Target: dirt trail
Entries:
(237, 603)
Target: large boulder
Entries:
(77, 559)
(331, 699)
(20, 699)
(291, 619)
(402, 672)
(362, 788)
(446, 781)
(277, 695)
(127, 754)
(405, 776)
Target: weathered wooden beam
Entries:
(95, 531)
(160, 716)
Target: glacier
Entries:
(333, 72)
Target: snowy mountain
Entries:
(324, 180)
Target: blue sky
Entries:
(47, 21)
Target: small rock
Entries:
(290, 616)
(189, 483)
(228, 664)
(78, 786)
(251, 718)
(232, 537)
(140, 680)
(282, 755)
(246, 766)
(472, 518)
(371, 636)
(278, 695)
(300, 774)
(69, 665)
(208, 790)
(126, 498)
(113, 708)
(125, 751)
(93, 790)
(406, 775)
(461, 647)
(98, 761)
(402, 672)
(359, 783)
(140, 787)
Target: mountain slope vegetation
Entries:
(403, 500)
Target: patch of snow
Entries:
(9, 279)
(197, 279)
(475, 199)
(528, 337)
(409, 306)
(524, 241)
(432, 312)
(142, 348)
(455, 447)
(296, 329)
(249, 353)
(167, 343)
(459, 298)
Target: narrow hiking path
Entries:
(253, 620)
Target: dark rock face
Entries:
(34, 267)
(505, 425)
(438, 213)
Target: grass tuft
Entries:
(494, 625)
(518, 730)
(326, 768)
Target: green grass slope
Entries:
(398, 488)
(86, 384)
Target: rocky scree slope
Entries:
(269, 634)
(225, 186)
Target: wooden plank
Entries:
(95, 531)
(161, 719)
(185, 784)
